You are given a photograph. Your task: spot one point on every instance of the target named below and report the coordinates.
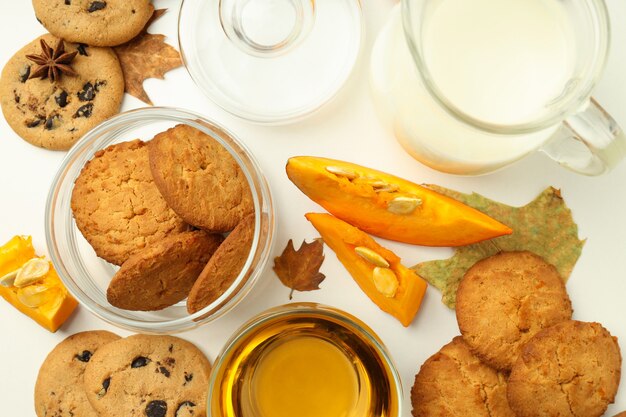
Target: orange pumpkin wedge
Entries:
(46, 300)
(398, 289)
(388, 206)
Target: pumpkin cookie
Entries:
(453, 382)
(94, 22)
(163, 273)
(223, 267)
(55, 114)
(571, 369)
(59, 389)
(153, 376)
(117, 207)
(504, 300)
(200, 179)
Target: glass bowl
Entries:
(270, 61)
(87, 276)
(236, 370)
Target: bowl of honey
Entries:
(305, 360)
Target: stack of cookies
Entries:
(97, 373)
(64, 83)
(160, 210)
(520, 353)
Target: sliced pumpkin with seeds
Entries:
(388, 206)
(379, 272)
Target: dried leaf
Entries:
(545, 226)
(155, 15)
(146, 56)
(299, 270)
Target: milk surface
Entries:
(500, 61)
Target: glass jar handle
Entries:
(589, 142)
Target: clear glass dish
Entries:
(234, 371)
(87, 276)
(270, 61)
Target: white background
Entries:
(346, 129)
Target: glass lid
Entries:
(270, 61)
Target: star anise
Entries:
(52, 62)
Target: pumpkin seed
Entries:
(389, 188)
(342, 172)
(371, 256)
(403, 205)
(385, 281)
(381, 186)
(31, 272)
(8, 279)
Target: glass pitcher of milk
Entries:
(470, 86)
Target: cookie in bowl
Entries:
(162, 274)
(117, 206)
(199, 179)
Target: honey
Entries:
(317, 379)
(305, 364)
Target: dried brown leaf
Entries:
(299, 270)
(146, 56)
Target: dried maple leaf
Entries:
(544, 226)
(300, 270)
(146, 56)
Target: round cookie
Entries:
(453, 382)
(94, 22)
(223, 267)
(54, 115)
(504, 300)
(59, 388)
(117, 206)
(571, 369)
(151, 376)
(199, 179)
(163, 273)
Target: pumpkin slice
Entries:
(41, 296)
(394, 288)
(388, 206)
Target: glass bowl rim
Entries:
(350, 321)
(237, 290)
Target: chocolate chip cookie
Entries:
(453, 382)
(163, 273)
(200, 179)
(55, 114)
(571, 369)
(153, 376)
(504, 300)
(223, 267)
(59, 390)
(94, 22)
(117, 206)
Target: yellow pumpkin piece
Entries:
(45, 300)
(15, 253)
(402, 299)
(388, 206)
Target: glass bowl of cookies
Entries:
(159, 220)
